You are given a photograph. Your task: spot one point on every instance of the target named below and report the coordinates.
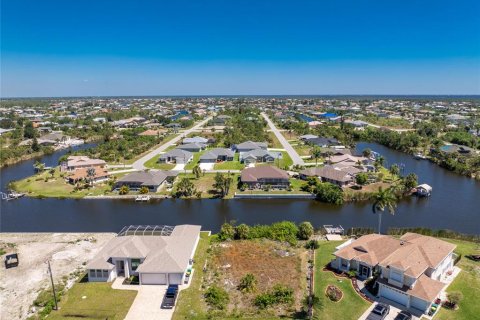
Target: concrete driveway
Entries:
(394, 311)
(206, 166)
(179, 167)
(146, 305)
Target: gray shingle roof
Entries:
(147, 178)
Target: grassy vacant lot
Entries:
(467, 282)
(263, 258)
(100, 302)
(274, 141)
(230, 165)
(37, 186)
(205, 184)
(153, 164)
(352, 306)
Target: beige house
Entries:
(75, 162)
(410, 268)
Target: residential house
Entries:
(160, 255)
(82, 174)
(220, 120)
(195, 139)
(176, 156)
(259, 155)
(322, 142)
(216, 155)
(248, 146)
(330, 174)
(75, 162)
(153, 180)
(411, 267)
(193, 147)
(263, 176)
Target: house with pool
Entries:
(160, 255)
(411, 270)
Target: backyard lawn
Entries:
(37, 186)
(351, 306)
(153, 164)
(467, 282)
(94, 300)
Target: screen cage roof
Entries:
(146, 230)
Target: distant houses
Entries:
(76, 162)
(178, 156)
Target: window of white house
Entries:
(135, 264)
(105, 273)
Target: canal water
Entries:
(454, 205)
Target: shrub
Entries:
(242, 231)
(352, 273)
(305, 230)
(227, 231)
(143, 190)
(454, 297)
(264, 300)
(216, 297)
(279, 294)
(334, 293)
(124, 190)
(248, 283)
(312, 244)
(329, 193)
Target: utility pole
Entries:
(53, 286)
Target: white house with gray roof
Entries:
(153, 180)
(160, 255)
(176, 156)
(217, 154)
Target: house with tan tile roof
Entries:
(410, 268)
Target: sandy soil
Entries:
(67, 253)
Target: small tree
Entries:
(197, 171)
(361, 178)
(52, 172)
(248, 283)
(312, 244)
(367, 153)
(316, 153)
(455, 297)
(305, 230)
(143, 190)
(216, 297)
(227, 231)
(410, 181)
(395, 169)
(124, 190)
(90, 175)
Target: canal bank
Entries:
(453, 205)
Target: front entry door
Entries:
(364, 270)
(121, 268)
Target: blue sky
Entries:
(76, 48)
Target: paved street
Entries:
(139, 164)
(293, 154)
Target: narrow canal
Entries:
(454, 205)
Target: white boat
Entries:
(423, 190)
(419, 156)
(11, 196)
(142, 198)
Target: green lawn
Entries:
(36, 186)
(153, 164)
(467, 282)
(196, 158)
(352, 306)
(100, 302)
(230, 165)
(190, 304)
(274, 141)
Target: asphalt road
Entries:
(297, 160)
(139, 164)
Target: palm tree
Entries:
(90, 175)
(383, 199)
(197, 171)
(316, 153)
(379, 162)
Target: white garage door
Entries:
(418, 304)
(175, 278)
(394, 295)
(154, 278)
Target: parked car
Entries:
(170, 297)
(404, 315)
(379, 312)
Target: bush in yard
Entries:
(242, 231)
(329, 193)
(305, 230)
(248, 283)
(216, 297)
(264, 300)
(284, 231)
(352, 273)
(282, 294)
(454, 297)
(227, 231)
(124, 190)
(143, 190)
(312, 244)
(361, 178)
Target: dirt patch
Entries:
(270, 262)
(67, 253)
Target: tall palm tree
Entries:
(384, 199)
(316, 153)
